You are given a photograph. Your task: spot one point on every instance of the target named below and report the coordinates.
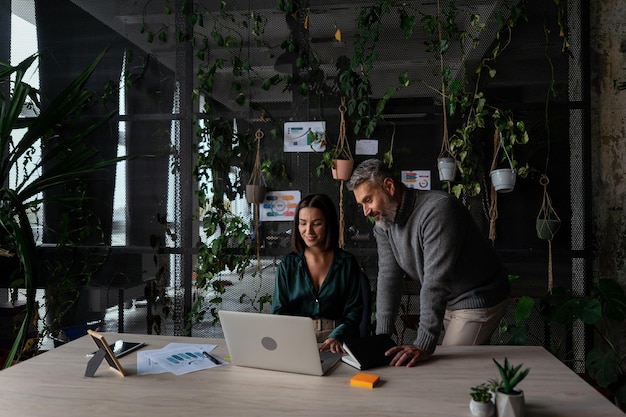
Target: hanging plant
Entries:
(342, 161)
(257, 186)
(502, 179)
(446, 162)
(342, 164)
(548, 224)
(255, 193)
(499, 183)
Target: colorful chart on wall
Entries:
(418, 179)
(279, 206)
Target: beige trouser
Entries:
(323, 327)
(472, 326)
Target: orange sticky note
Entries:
(365, 380)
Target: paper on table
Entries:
(177, 358)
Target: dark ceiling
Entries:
(396, 54)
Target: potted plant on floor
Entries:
(510, 401)
(50, 126)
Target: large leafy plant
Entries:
(67, 159)
(604, 310)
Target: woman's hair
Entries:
(327, 207)
(373, 170)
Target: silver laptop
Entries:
(276, 342)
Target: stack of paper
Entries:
(177, 358)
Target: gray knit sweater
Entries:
(435, 240)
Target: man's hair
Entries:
(373, 170)
(327, 207)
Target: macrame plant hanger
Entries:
(547, 224)
(493, 194)
(342, 144)
(256, 178)
(445, 151)
(493, 204)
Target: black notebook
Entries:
(368, 352)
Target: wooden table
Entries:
(53, 384)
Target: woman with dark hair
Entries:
(319, 279)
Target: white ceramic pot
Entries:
(480, 409)
(510, 405)
(447, 168)
(503, 180)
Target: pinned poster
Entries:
(366, 147)
(279, 206)
(418, 179)
(305, 136)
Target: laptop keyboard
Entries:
(328, 359)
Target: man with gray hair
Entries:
(430, 237)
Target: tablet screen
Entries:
(122, 347)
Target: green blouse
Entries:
(339, 297)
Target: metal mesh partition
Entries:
(417, 129)
(579, 174)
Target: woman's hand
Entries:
(333, 345)
(409, 354)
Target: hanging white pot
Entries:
(447, 168)
(510, 405)
(503, 180)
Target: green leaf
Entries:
(240, 99)
(303, 89)
(523, 308)
(588, 309)
(603, 366)
(518, 335)
(404, 79)
(613, 298)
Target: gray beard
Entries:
(388, 214)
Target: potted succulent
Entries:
(510, 401)
(481, 403)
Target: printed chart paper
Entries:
(418, 179)
(279, 206)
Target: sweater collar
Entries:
(406, 205)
